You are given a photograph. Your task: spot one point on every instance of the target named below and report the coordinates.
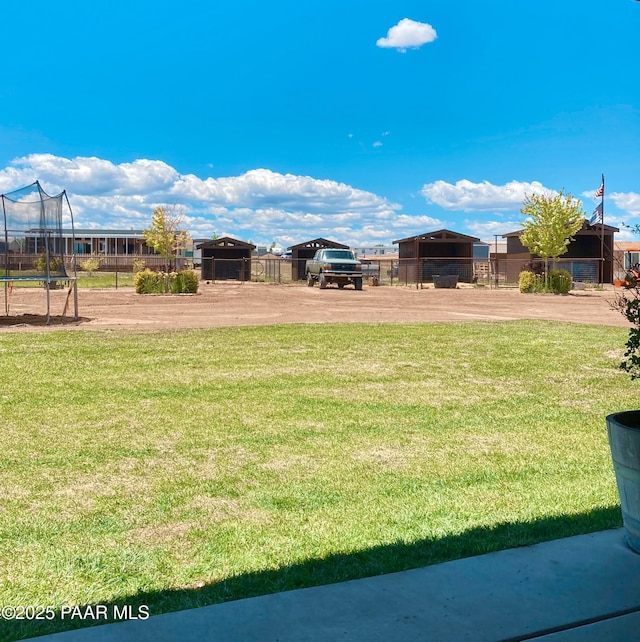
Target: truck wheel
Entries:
(322, 279)
(309, 280)
(358, 283)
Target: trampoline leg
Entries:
(48, 304)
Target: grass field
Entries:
(105, 280)
(95, 280)
(177, 469)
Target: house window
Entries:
(631, 258)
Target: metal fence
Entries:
(24, 263)
(394, 271)
(375, 271)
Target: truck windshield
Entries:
(338, 254)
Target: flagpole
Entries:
(602, 235)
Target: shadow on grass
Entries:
(339, 568)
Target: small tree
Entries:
(166, 236)
(551, 225)
(628, 303)
(90, 264)
(138, 265)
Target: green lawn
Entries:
(85, 280)
(105, 279)
(176, 469)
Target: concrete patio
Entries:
(584, 588)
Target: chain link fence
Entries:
(441, 272)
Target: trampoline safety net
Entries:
(33, 246)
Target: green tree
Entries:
(552, 222)
(166, 234)
(90, 264)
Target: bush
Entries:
(55, 264)
(530, 282)
(182, 282)
(628, 303)
(559, 281)
(90, 264)
(138, 265)
(148, 282)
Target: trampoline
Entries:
(33, 247)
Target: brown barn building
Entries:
(583, 257)
(226, 259)
(302, 252)
(440, 253)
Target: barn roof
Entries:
(441, 236)
(318, 243)
(584, 230)
(225, 241)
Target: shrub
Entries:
(184, 282)
(55, 264)
(628, 304)
(530, 282)
(148, 282)
(559, 281)
(90, 264)
(138, 265)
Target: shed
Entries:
(302, 252)
(584, 256)
(440, 253)
(225, 259)
(625, 255)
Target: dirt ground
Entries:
(235, 304)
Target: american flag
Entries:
(596, 217)
(600, 191)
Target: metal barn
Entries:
(589, 256)
(225, 259)
(302, 252)
(440, 253)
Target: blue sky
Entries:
(360, 121)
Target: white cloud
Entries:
(481, 197)
(628, 202)
(260, 187)
(377, 144)
(417, 224)
(487, 229)
(624, 235)
(408, 34)
(91, 175)
(259, 204)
